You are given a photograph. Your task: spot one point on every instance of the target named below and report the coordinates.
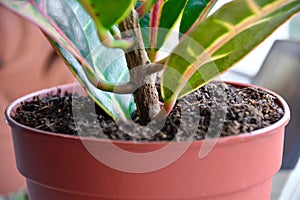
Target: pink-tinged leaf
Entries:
(154, 22)
(218, 42)
(73, 34)
(143, 9)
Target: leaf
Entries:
(79, 30)
(194, 10)
(170, 13)
(153, 29)
(221, 40)
(145, 24)
(118, 106)
(143, 7)
(106, 13)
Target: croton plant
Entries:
(111, 46)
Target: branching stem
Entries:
(146, 95)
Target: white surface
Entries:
(291, 188)
(279, 181)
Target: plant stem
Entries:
(146, 95)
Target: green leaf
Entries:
(106, 13)
(118, 106)
(170, 13)
(221, 40)
(79, 30)
(194, 10)
(145, 24)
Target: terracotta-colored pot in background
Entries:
(61, 167)
(27, 63)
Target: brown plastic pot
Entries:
(61, 167)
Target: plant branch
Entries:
(125, 88)
(154, 68)
(146, 95)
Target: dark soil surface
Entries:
(214, 110)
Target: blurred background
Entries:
(27, 63)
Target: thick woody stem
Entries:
(146, 95)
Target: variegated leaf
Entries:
(195, 11)
(74, 35)
(221, 40)
(106, 13)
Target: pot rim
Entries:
(243, 137)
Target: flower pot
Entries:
(65, 167)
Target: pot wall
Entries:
(61, 167)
